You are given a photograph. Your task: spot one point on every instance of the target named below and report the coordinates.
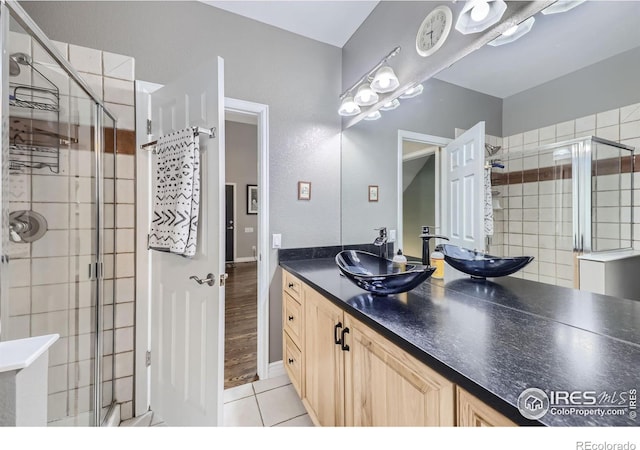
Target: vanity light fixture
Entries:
(561, 6)
(478, 15)
(380, 79)
(385, 80)
(413, 91)
(348, 107)
(373, 116)
(390, 106)
(514, 33)
(365, 95)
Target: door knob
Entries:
(210, 280)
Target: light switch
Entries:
(277, 240)
(392, 235)
(248, 229)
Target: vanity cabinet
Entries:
(348, 374)
(475, 413)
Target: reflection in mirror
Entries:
(559, 82)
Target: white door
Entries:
(463, 188)
(187, 318)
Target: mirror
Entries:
(574, 74)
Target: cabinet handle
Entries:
(336, 339)
(290, 285)
(290, 318)
(290, 360)
(345, 347)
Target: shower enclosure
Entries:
(57, 198)
(565, 199)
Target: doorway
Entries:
(242, 219)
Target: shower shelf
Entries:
(33, 157)
(34, 97)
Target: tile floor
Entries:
(264, 403)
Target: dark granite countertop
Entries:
(496, 338)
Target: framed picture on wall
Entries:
(252, 199)
(373, 193)
(304, 190)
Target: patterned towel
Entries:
(488, 203)
(174, 226)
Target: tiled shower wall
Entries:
(525, 225)
(50, 291)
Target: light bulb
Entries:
(510, 31)
(389, 106)
(373, 116)
(365, 96)
(480, 11)
(413, 91)
(385, 80)
(348, 107)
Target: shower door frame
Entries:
(12, 9)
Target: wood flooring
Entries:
(241, 325)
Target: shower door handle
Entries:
(210, 280)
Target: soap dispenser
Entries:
(437, 261)
(399, 262)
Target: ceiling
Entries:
(557, 45)
(331, 22)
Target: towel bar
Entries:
(211, 132)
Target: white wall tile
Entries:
(57, 406)
(125, 265)
(125, 240)
(516, 140)
(124, 114)
(81, 163)
(547, 133)
(608, 118)
(49, 270)
(80, 373)
(630, 113)
(57, 214)
(81, 242)
(123, 339)
(58, 378)
(109, 191)
(18, 327)
(125, 216)
(125, 191)
(85, 59)
(119, 91)
(530, 137)
(50, 189)
(125, 315)
(124, 364)
(585, 123)
(19, 188)
(565, 128)
(81, 190)
(630, 130)
(80, 400)
(81, 215)
(53, 243)
(123, 389)
(118, 66)
(126, 166)
(81, 347)
(95, 84)
(50, 322)
(126, 410)
(19, 272)
(125, 290)
(51, 297)
(19, 301)
(612, 132)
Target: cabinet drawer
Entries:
(293, 363)
(292, 319)
(291, 285)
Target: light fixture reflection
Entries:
(561, 6)
(385, 80)
(348, 107)
(514, 33)
(365, 95)
(390, 106)
(413, 91)
(478, 15)
(373, 116)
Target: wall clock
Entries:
(434, 31)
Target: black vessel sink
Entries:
(480, 265)
(377, 275)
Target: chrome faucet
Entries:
(381, 241)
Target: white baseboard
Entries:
(244, 259)
(276, 369)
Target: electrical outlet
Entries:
(392, 235)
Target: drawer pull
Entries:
(290, 360)
(336, 339)
(345, 347)
(290, 285)
(290, 318)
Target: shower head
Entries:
(17, 59)
(492, 149)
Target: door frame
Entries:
(404, 135)
(235, 219)
(142, 378)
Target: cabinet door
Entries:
(385, 386)
(475, 413)
(323, 370)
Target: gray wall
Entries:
(242, 168)
(370, 150)
(418, 207)
(606, 85)
(262, 64)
